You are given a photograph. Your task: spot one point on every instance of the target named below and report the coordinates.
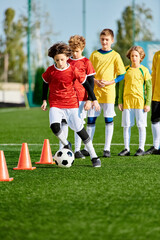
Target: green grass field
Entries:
(119, 201)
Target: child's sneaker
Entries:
(85, 152)
(152, 150)
(68, 146)
(96, 162)
(139, 152)
(78, 154)
(106, 154)
(124, 152)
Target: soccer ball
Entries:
(64, 158)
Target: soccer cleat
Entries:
(152, 150)
(106, 154)
(85, 152)
(78, 154)
(124, 152)
(139, 152)
(68, 146)
(96, 162)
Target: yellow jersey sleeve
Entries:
(156, 77)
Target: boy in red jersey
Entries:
(77, 45)
(59, 78)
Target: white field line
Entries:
(56, 144)
(12, 110)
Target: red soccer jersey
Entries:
(83, 64)
(62, 93)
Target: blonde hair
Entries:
(139, 50)
(107, 32)
(77, 41)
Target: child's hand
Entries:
(146, 108)
(120, 106)
(107, 83)
(44, 105)
(96, 106)
(87, 105)
(99, 83)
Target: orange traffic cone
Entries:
(24, 159)
(4, 176)
(46, 155)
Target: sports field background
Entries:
(119, 201)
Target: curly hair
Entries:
(59, 48)
(139, 50)
(107, 32)
(77, 41)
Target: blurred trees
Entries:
(124, 37)
(13, 44)
(37, 95)
(13, 51)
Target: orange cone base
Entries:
(32, 168)
(6, 180)
(45, 162)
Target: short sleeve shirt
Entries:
(62, 93)
(134, 91)
(107, 67)
(83, 64)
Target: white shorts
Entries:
(82, 113)
(71, 115)
(108, 110)
(129, 116)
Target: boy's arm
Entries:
(44, 91)
(44, 96)
(90, 92)
(154, 63)
(88, 103)
(120, 95)
(148, 92)
(119, 78)
(90, 80)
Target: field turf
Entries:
(119, 201)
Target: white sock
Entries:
(126, 137)
(142, 137)
(90, 130)
(62, 138)
(90, 149)
(108, 135)
(156, 135)
(64, 128)
(78, 141)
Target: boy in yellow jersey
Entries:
(108, 66)
(155, 115)
(132, 90)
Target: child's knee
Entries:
(108, 120)
(91, 120)
(55, 128)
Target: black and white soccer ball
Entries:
(64, 158)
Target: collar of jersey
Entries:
(104, 52)
(68, 65)
(137, 67)
(74, 59)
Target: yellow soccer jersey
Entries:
(107, 67)
(156, 77)
(133, 95)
